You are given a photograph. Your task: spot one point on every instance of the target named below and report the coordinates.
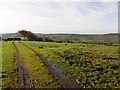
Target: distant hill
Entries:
(8, 35)
(112, 37)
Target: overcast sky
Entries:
(53, 16)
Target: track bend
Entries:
(62, 79)
(23, 78)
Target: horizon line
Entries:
(70, 33)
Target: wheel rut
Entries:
(23, 78)
(62, 79)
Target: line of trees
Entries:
(32, 37)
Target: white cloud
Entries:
(58, 17)
(59, 0)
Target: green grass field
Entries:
(93, 65)
(8, 74)
(37, 70)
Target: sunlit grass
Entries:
(37, 70)
(97, 65)
(8, 73)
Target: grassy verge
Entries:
(37, 70)
(0, 64)
(8, 73)
(95, 66)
